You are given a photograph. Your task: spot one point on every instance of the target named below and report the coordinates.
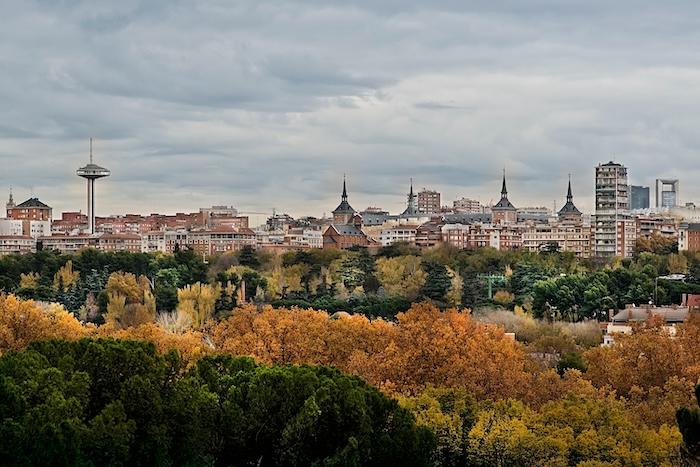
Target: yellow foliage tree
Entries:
(677, 264)
(503, 297)
(454, 295)
(65, 277)
(23, 322)
(29, 280)
(400, 276)
(127, 285)
(130, 301)
(198, 301)
(285, 279)
(570, 430)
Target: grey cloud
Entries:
(266, 104)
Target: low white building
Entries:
(303, 238)
(399, 233)
(10, 227)
(624, 321)
(68, 243)
(16, 244)
(25, 227)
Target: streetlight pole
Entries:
(656, 291)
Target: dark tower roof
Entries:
(344, 207)
(33, 203)
(504, 203)
(411, 208)
(569, 207)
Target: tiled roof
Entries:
(504, 204)
(347, 229)
(669, 314)
(33, 203)
(344, 208)
(569, 208)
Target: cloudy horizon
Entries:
(266, 105)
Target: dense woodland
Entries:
(550, 285)
(466, 394)
(245, 360)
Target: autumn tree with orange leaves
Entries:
(24, 321)
(425, 346)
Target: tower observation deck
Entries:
(92, 172)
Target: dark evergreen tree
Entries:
(437, 281)
(689, 425)
(108, 402)
(249, 257)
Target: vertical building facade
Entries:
(639, 197)
(467, 206)
(667, 193)
(429, 201)
(32, 210)
(689, 237)
(613, 224)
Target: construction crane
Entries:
(259, 213)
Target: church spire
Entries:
(504, 190)
(344, 196)
(411, 199)
(569, 212)
(10, 202)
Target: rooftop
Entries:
(33, 203)
(673, 314)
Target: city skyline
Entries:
(397, 205)
(194, 106)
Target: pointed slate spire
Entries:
(504, 190)
(504, 203)
(344, 209)
(569, 208)
(411, 208)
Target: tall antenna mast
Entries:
(91, 150)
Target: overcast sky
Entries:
(262, 104)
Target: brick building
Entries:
(689, 237)
(504, 212)
(119, 242)
(429, 201)
(467, 206)
(429, 234)
(32, 209)
(74, 221)
(344, 236)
